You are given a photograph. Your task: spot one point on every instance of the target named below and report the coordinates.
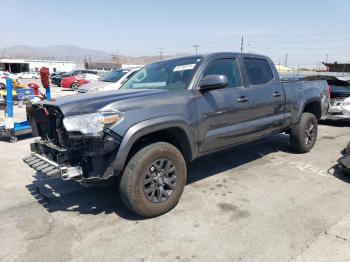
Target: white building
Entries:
(30, 65)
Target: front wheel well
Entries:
(175, 136)
(313, 108)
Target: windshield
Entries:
(114, 76)
(172, 74)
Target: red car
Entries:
(73, 82)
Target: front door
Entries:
(222, 113)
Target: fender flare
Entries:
(302, 108)
(146, 127)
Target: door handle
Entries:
(276, 94)
(242, 99)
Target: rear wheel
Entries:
(74, 86)
(303, 136)
(153, 180)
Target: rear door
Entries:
(222, 113)
(266, 95)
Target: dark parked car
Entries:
(56, 80)
(169, 113)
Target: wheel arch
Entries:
(312, 106)
(168, 129)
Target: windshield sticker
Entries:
(184, 67)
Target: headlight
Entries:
(91, 124)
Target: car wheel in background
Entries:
(74, 86)
(153, 180)
(303, 136)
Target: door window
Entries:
(258, 71)
(227, 67)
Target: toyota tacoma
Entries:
(168, 114)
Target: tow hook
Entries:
(71, 173)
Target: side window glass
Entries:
(258, 71)
(227, 67)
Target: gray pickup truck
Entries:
(169, 113)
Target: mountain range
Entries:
(70, 52)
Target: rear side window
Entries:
(258, 70)
(227, 67)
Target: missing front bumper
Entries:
(51, 169)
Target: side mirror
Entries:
(211, 82)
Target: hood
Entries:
(93, 85)
(93, 102)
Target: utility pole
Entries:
(67, 58)
(161, 53)
(118, 57)
(286, 60)
(242, 44)
(115, 57)
(327, 58)
(196, 46)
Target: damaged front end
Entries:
(71, 154)
(339, 109)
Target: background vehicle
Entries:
(75, 81)
(56, 80)
(169, 113)
(5, 75)
(28, 75)
(111, 81)
(340, 97)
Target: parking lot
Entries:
(257, 202)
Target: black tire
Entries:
(134, 185)
(303, 136)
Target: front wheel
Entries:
(153, 180)
(303, 136)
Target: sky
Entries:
(306, 32)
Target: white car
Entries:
(28, 75)
(112, 81)
(2, 83)
(4, 75)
